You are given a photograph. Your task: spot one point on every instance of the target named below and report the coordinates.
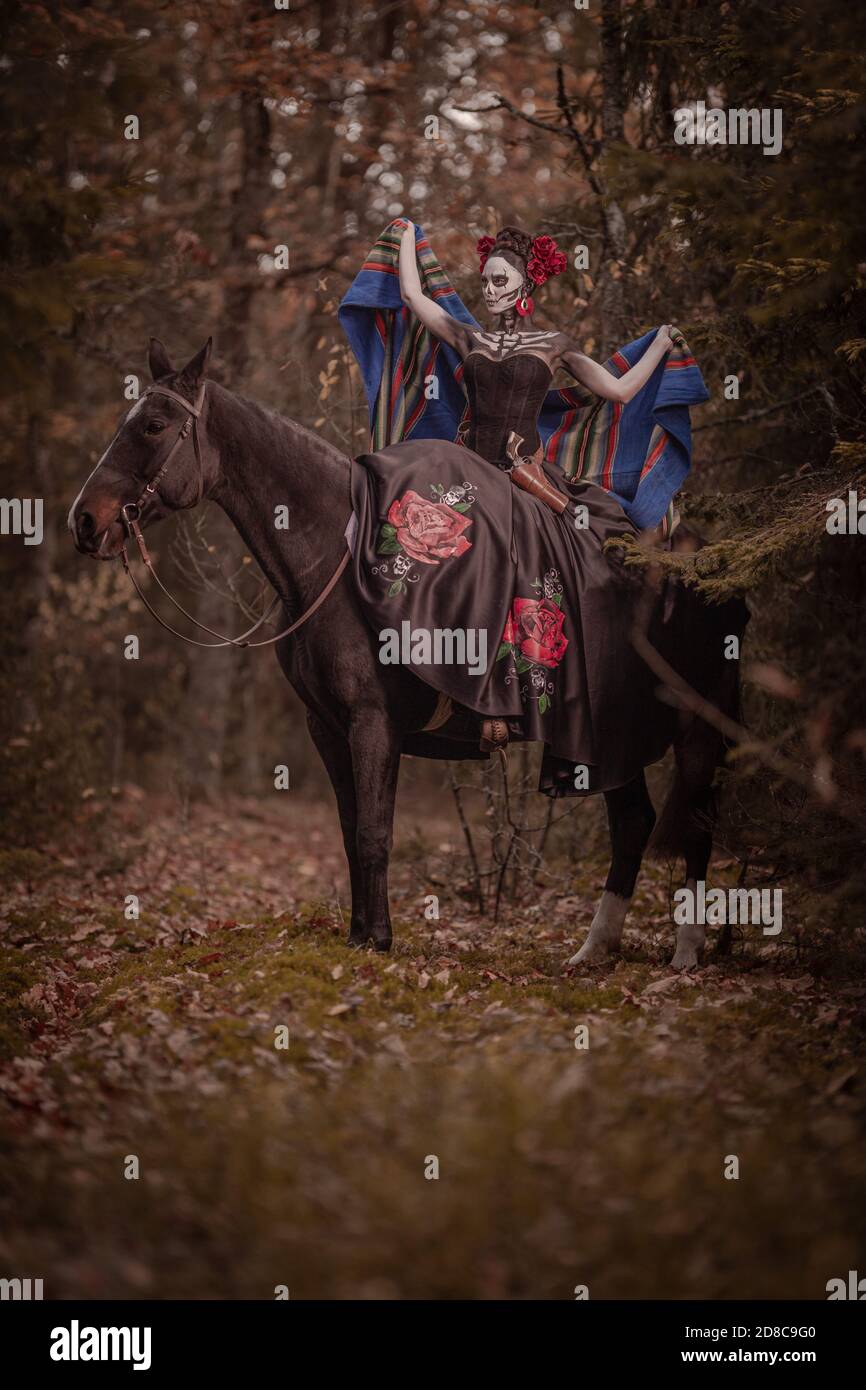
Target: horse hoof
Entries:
(590, 953)
(605, 931)
(357, 939)
(685, 958)
(380, 943)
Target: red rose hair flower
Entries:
(546, 260)
(484, 247)
(543, 259)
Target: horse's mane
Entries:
(261, 419)
(272, 421)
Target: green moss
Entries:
(557, 1165)
(19, 972)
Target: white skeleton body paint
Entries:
(498, 346)
(501, 285)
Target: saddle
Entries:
(494, 734)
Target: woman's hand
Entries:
(624, 388)
(664, 337)
(432, 315)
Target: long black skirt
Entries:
(511, 610)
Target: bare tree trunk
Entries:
(42, 556)
(613, 99)
(213, 678)
(250, 753)
(610, 285)
(210, 686)
(248, 208)
(212, 674)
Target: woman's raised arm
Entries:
(612, 388)
(434, 318)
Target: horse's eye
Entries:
(154, 427)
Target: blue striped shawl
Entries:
(640, 452)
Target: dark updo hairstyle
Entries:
(537, 258)
(514, 246)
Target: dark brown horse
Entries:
(250, 461)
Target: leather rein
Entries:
(130, 515)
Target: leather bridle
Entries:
(130, 514)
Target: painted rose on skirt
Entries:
(428, 531)
(534, 629)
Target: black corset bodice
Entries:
(504, 396)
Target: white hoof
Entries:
(690, 944)
(591, 952)
(685, 958)
(605, 933)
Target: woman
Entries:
(485, 535)
(513, 265)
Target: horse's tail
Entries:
(689, 813)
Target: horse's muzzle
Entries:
(102, 542)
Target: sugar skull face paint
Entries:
(501, 284)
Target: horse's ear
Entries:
(196, 368)
(158, 360)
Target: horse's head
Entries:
(160, 445)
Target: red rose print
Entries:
(534, 626)
(428, 531)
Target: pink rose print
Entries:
(428, 531)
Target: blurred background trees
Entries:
(310, 128)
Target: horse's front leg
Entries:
(375, 746)
(335, 753)
(630, 817)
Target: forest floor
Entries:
(308, 1166)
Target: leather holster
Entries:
(528, 474)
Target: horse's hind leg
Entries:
(375, 746)
(687, 822)
(631, 817)
(336, 755)
(697, 847)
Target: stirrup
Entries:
(494, 734)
